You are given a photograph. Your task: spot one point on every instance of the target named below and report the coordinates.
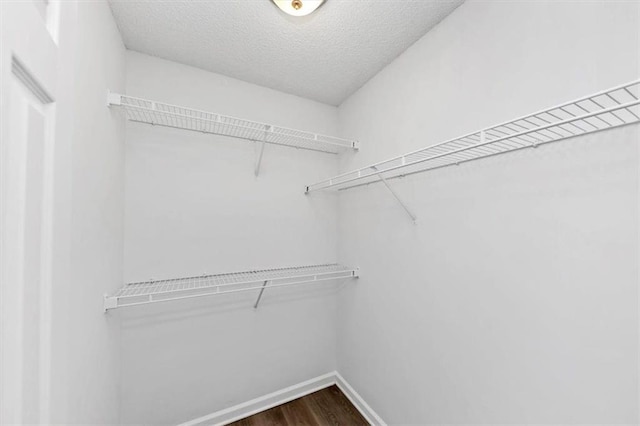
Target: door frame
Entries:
(29, 58)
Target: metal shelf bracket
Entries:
(110, 302)
(114, 99)
(267, 128)
(264, 285)
(396, 196)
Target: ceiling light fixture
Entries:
(298, 7)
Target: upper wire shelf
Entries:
(162, 114)
(618, 106)
(139, 293)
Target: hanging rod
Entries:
(145, 292)
(615, 107)
(167, 115)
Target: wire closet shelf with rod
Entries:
(181, 117)
(155, 291)
(608, 109)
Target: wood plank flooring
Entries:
(328, 406)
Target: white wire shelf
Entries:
(140, 293)
(167, 115)
(615, 107)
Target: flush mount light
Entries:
(298, 7)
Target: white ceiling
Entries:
(325, 56)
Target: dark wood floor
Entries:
(326, 407)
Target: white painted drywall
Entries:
(88, 222)
(193, 205)
(515, 298)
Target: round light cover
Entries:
(298, 7)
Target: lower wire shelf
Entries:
(145, 292)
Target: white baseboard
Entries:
(254, 406)
(367, 412)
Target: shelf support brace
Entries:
(267, 128)
(257, 169)
(260, 295)
(396, 196)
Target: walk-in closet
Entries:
(319, 212)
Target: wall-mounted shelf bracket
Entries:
(259, 160)
(396, 196)
(261, 150)
(109, 303)
(260, 294)
(114, 99)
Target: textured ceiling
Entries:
(325, 56)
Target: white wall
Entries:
(193, 205)
(515, 298)
(88, 222)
